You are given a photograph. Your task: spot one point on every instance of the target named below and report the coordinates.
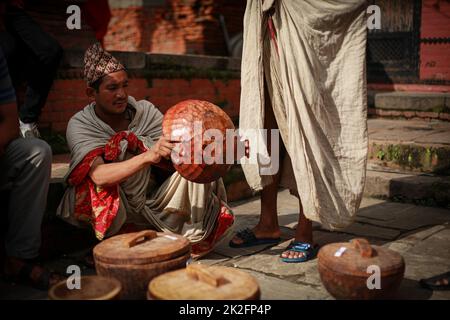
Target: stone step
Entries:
(398, 104)
(421, 189)
(414, 145)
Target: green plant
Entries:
(381, 154)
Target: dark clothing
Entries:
(7, 93)
(25, 171)
(33, 56)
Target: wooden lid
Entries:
(143, 247)
(354, 258)
(91, 288)
(200, 282)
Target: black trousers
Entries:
(33, 56)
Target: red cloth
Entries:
(97, 15)
(223, 223)
(94, 204)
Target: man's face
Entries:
(112, 95)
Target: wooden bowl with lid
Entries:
(200, 282)
(349, 270)
(135, 258)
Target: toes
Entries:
(292, 254)
(237, 240)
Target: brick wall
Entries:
(164, 84)
(173, 26)
(435, 57)
(68, 97)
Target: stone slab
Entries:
(213, 258)
(273, 288)
(382, 210)
(409, 218)
(365, 230)
(435, 246)
(409, 240)
(410, 101)
(269, 263)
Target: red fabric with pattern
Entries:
(223, 223)
(94, 204)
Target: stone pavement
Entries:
(420, 234)
(408, 161)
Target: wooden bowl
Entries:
(136, 258)
(350, 270)
(92, 288)
(200, 282)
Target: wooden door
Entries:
(393, 50)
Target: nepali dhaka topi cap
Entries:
(98, 63)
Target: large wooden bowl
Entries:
(201, 282)
(136, 258)
(91, 288)
(351, 274)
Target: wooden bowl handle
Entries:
(201, 273)
(146, 235)
(363, 246)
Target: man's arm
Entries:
(107, 174)
(9, 119)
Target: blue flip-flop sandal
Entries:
(308, 252)
(249, 240)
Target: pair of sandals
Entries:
(439, 282)
(249, 240)
(44, 280)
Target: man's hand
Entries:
(161, 149)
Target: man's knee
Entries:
(37, 151)
(42, 152)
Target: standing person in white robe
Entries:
(303, 72)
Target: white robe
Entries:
(317, 85)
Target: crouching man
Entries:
(116, 144)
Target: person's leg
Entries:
(303, 234)
(43, 55)
(267, 227)
(26, 168)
